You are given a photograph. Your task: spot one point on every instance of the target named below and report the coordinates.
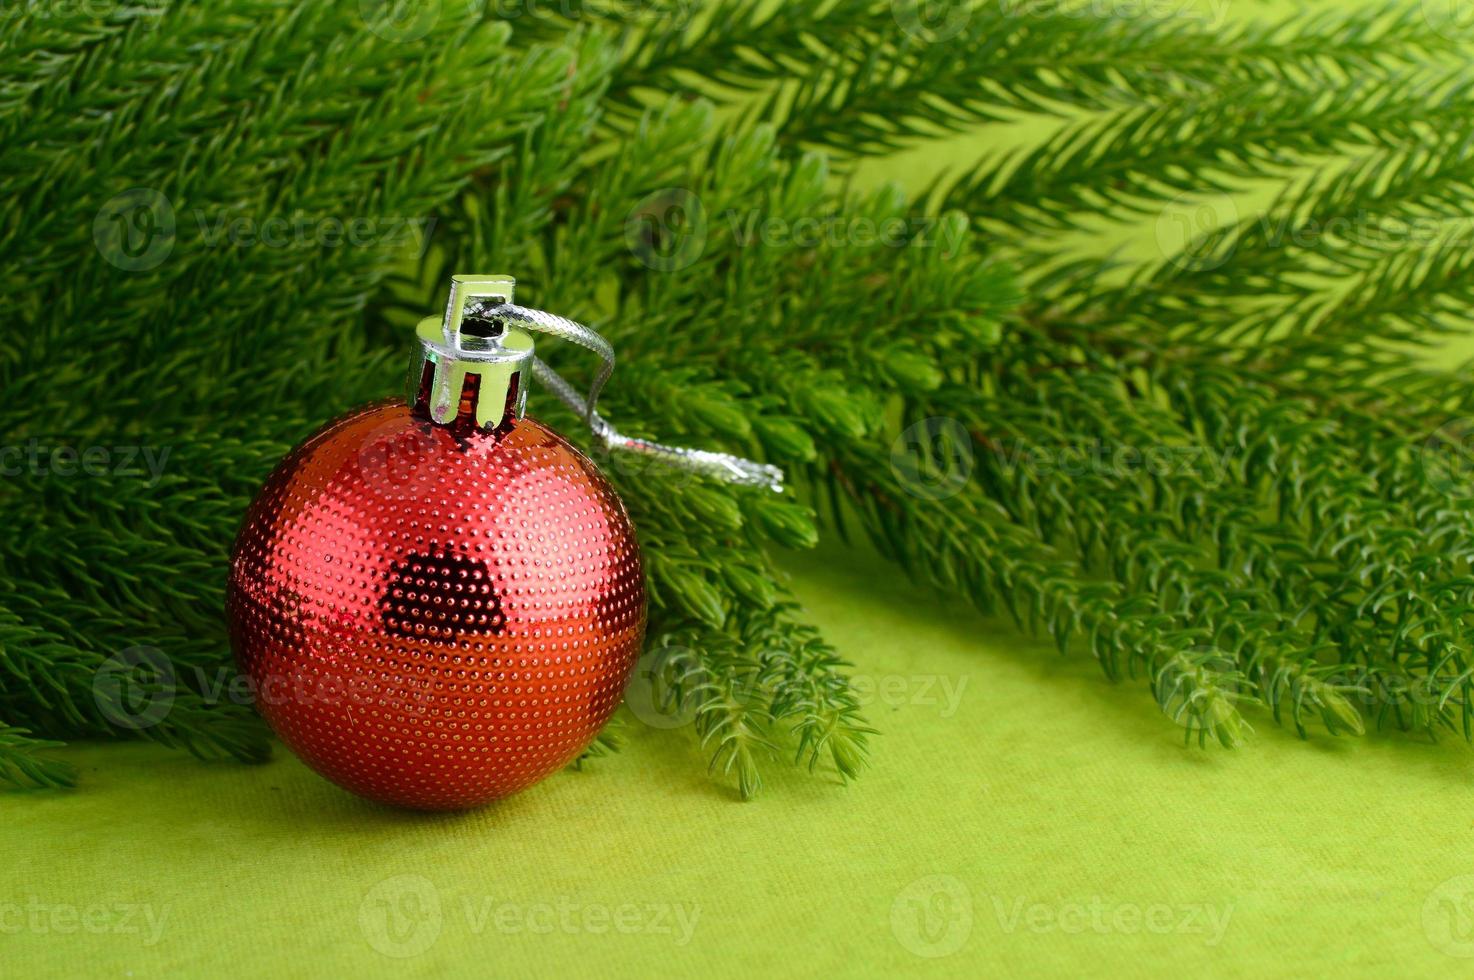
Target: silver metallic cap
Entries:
(492, 355)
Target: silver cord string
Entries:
(720, 466)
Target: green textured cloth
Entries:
(1022, 814)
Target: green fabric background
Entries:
(1044, 823)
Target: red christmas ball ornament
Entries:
(439, 602)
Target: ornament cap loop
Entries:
(498, 349)
(471, 363)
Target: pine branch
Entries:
(22, 765)
(646, 170)
(843, 76)
(1130, 162)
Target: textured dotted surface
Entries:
(435, 617)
